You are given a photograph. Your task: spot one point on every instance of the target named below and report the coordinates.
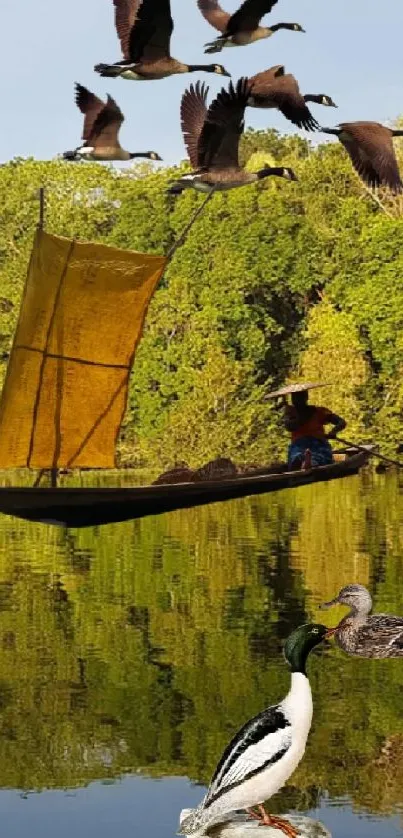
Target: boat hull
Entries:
(84, 507)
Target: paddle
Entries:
(371, 453)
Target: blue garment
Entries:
(320, 449)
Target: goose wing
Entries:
(214, 14)
(284, 94)
(90, 106)
(273, 79)
(267, 76)
(261, 742)
(125, 15)
(371, 151)
(193, 115)
(150, 36)
(106, 127)
(249, 15)
(223, 126)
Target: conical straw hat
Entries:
(295, 388)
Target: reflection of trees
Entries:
(145, 645)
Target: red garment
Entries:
(314, 426)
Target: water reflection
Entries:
(146, 808)
(142, 646)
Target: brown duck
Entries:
(243, 27)
(274, 88)
(102, 121)
(212, 137)
(370, 148)
(144, 28)
(362, 633)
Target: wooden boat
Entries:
(83, 507)
(65, 391)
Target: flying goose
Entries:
(144, 28)
(102, 121)
(243, 27)
(276, 89)
(363, 634)
(265, 751)
(370, 148)
(212, 138)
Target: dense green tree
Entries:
(270, 279)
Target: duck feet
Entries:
(272, 820)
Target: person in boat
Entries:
(309, 441)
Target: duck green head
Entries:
(301, 642)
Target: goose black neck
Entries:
(194, 68)
(313, 97)
(397, 133)
(138, 154)
(276, 26)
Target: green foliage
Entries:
(273, 279)
(334, 353)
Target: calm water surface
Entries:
(130, 654)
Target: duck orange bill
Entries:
(331, 632)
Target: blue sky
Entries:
(352, 50)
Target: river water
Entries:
(130, 654)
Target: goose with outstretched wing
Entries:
(212, 137)
(102, 122)
(369, 146)
(144, 28)
(243, 27)
(274, 88)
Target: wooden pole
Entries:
(188, 227)
(41, 222)
(41, 225)
(371, 453)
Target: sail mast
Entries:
(41, 226)
(41, 222)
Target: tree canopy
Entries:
(274, 279)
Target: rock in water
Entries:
(241, 826)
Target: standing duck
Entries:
(265, 751)
(144, 29)
(362, 633)
(243, 27)
(102, 121)
(276, 89)
(370, 148)
(212, 139)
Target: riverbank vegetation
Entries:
(274, 280)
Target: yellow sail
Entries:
(66, 386)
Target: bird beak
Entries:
(330, 632)
(327, 605)
(226, 73)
